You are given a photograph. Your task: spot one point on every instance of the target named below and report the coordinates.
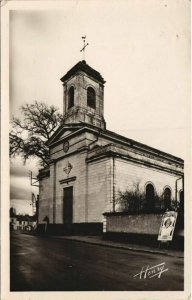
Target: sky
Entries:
(141, 48)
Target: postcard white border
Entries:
(5, 183)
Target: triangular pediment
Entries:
(62, 132)
(66, 133)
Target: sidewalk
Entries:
(98, 240)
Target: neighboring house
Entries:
(90, 165)
(23, 222)
(13, 223)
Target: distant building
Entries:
(90, 165)
(23, 222)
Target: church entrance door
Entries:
(68, 205)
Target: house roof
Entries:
(26, 218)
(83, 66)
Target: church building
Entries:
(91, 165)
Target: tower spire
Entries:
(84, 46)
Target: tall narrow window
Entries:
(150, 197)
(91, 97)
(71, 97)
(167, 198)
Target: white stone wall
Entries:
(128, 173)
(98, 181)
(46, 199)
(137, 224)
(79, 186)
(99, 189)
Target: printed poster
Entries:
(167, 226)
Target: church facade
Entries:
(91, 165)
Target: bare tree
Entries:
(132, 199)
(28, 136)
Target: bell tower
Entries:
(83, 97)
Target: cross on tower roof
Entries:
(84, 46)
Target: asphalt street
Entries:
(56, 264)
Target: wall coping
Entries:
(129, 214)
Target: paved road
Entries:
(53, 264)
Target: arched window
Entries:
(150, 197)
(91, 97)
(71, 97)
(167, 198)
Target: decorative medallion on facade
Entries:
(68, 168)
(65, 146)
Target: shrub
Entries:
(133, 200)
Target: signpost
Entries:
(167, 226)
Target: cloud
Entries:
(20, 184)
(20, 193)
(19, 171)
(21, 206)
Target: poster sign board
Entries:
(167, 226)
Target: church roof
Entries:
(83, 66)
(77, 127)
